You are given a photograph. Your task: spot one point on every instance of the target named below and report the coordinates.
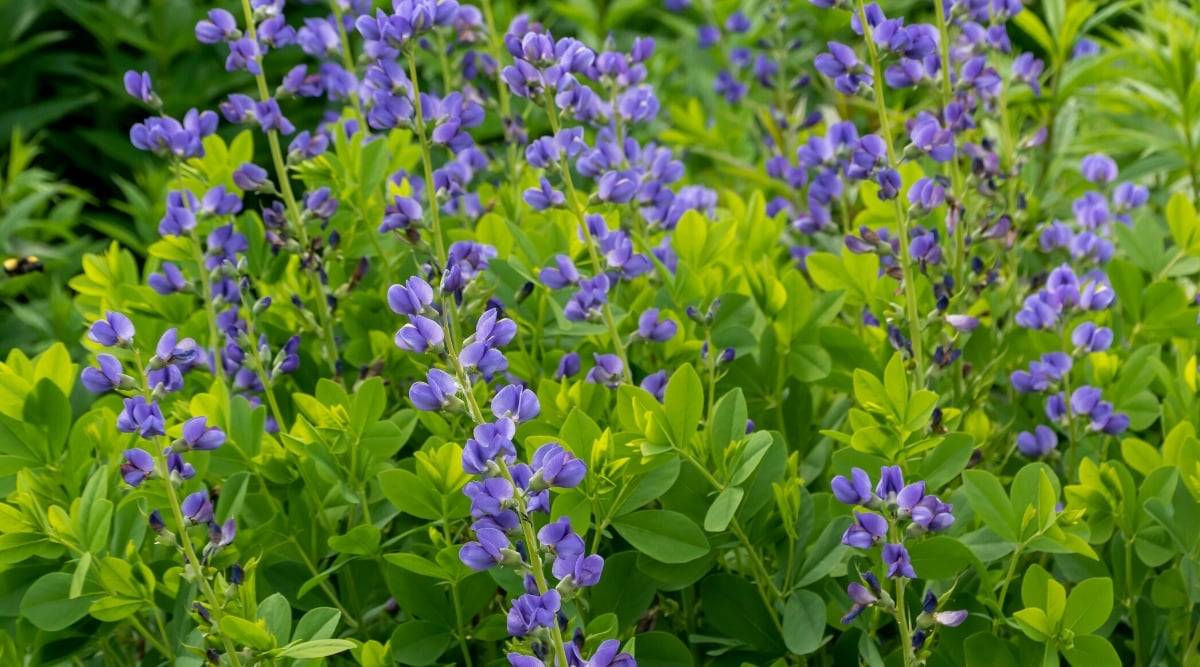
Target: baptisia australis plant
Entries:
(164, 461)
(898, 513)
(509, 493)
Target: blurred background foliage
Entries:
(72, 182)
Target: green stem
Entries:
(960, 231)
(324, 316)
(1008, 577)
(162, 648)
(910, 659)
(426, 159)
(214, 335)
(885, 128)
(590, 242)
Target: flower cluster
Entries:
(508, 493)
(897, 504)
(143, 416)
(1090, 238)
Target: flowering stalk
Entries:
(214, 336)
(597, 267)
(956, 181)
(426, 158)
(324, 316)
(906, 267)
(496, 46)
(348, 64)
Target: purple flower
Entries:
(617, 187)
(862, 597)
(1099, 169)
(950, 619)
(411, 298)
(244, 54)
(653, 329)
(107, 377)
(439, 392)
(544, 196)
(115, 330)
(220, 26)
(608, 370)
(490, 548)
(869, 528)
(489, 442)
(1084, 400)
(931, 514)
(321, 203)
(557, 278)
(199, 436)
(1029, 69)
(515, 403)
(219, 536)
(891, 482)
(197, 508)
(139, 87)
(420, 335)
(557, 467)
(1041, 442)
(568, 366)
(655, 384)
(930, 138)
(530, 612)
(138, 466)
(250, 177)
(707, 35)
(925, 195)
(489, 497)
(169, 281)
(895, 556)
(141, 417)
(853, 491)
(962, 323)
(402, 212)
(1092, 338)
(177, 468)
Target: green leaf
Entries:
(1034, 624)
(624, 589)
(751, 456)
(663, 535)
(1089, 605)
(1182, 220)
(419, 643)
(1092, 651)
(869, 392)
(729, 422)
(661, 649)
(48, 603)
(276, 612)
(990, 503)
(360, 541)
(254, 635)
(947, 460)
(319, 623)
(721, 512)
(809, 363)
(804, 622)
(417, 565)
(411, 494)
(683, 401)
(735, 609)
(987, 650)
(318, 648)
(115, 608)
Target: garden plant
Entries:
(602, 334)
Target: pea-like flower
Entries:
(608, 371)
(138, 466)
(411, 298)
(141, 417)
(1099, 169)
(115, 330)
(531, 612)
(556, 467)
(107, 377)
(197, 508)
(855, 490)
(651, 328)
(490, 548)
(867, 530)
(895, 556)
(1039, 443)
(420, 335)
(199, 436)
(220, 26)
(439, 392)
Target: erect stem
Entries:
(214, 336)
(597, 267)
(956, 181)
(907, 276)
(426, 160)
(324, 316)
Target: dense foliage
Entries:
(607, 334)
